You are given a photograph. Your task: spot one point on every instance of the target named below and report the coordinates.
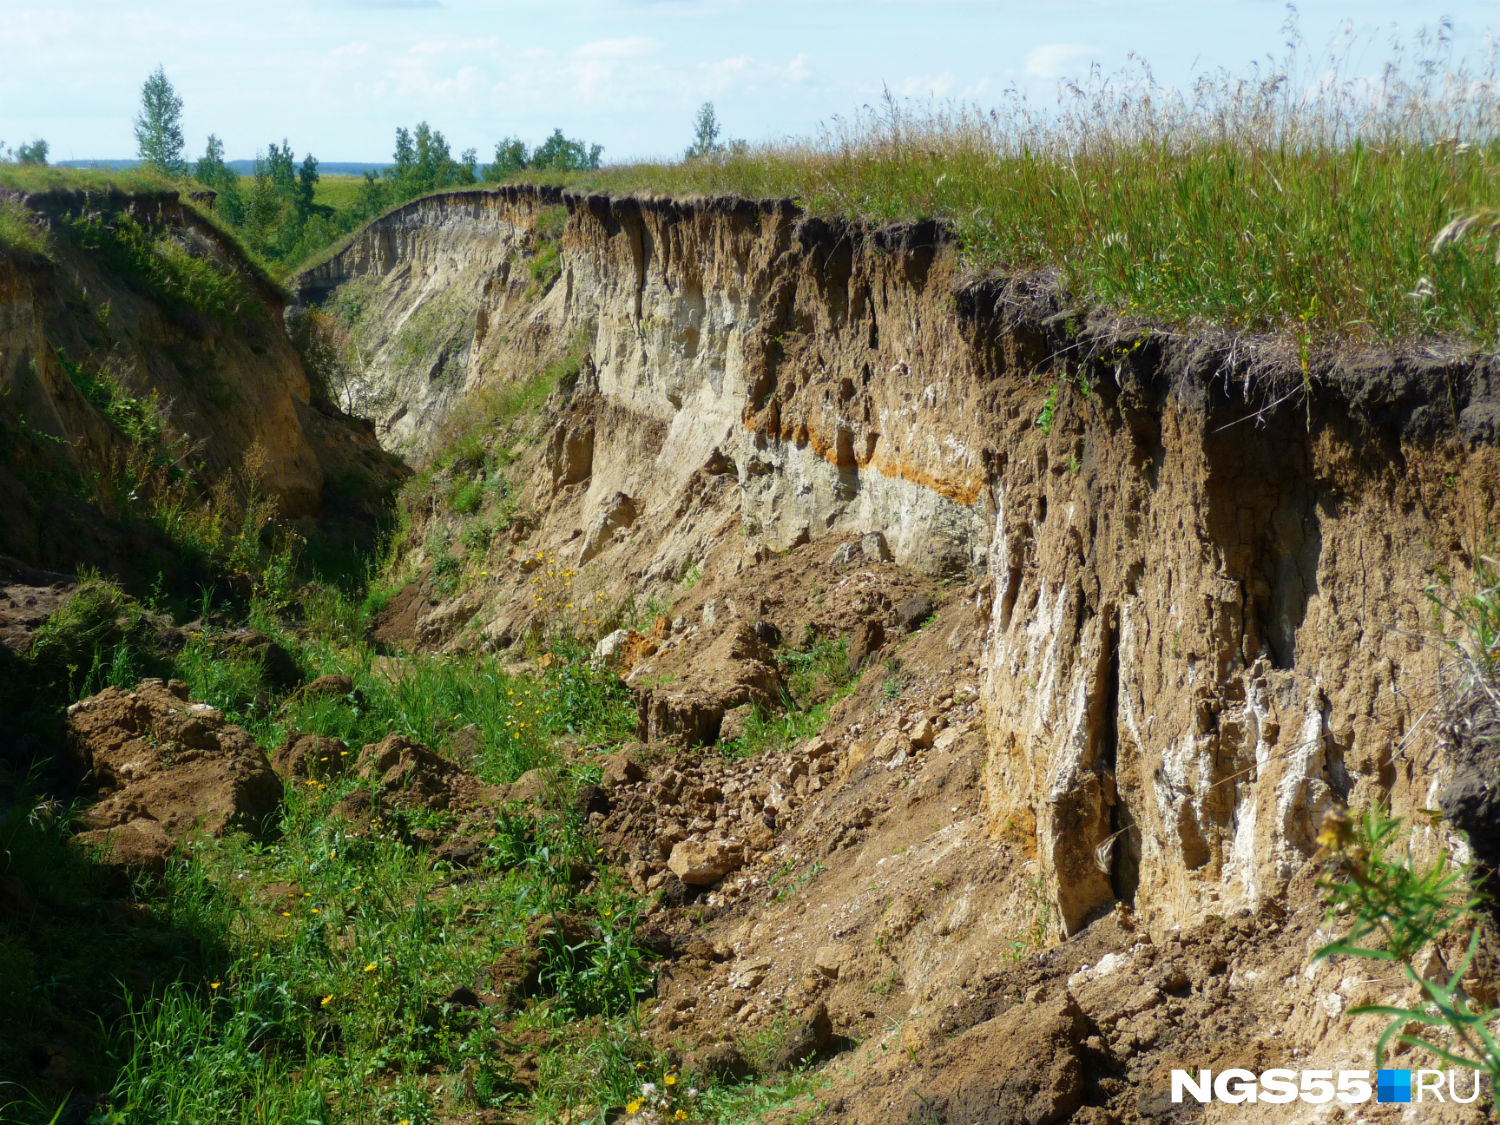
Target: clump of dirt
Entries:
(165, 769)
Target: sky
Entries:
(335, 77)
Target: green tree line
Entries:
(275, 209)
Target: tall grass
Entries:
(1300, 196)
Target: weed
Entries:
(19, 230)
(1396, 907)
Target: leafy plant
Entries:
(1398, 906)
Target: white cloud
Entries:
(1059, 60)
(746, 72)
(630, 47)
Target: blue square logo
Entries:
(1393, 1086)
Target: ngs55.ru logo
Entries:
(1319, 1086)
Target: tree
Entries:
(705, 135)
(307, 181)
(371, 196)
(212, 171)
(34, 153)
(563, 154)
(510, 158)
(158, 130)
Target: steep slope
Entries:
(140, 349)
(1194, 565)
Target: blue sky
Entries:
(335, 77)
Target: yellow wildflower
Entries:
(327, 1000)
(370, 968)
(213, 984)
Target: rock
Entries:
(167, 770)
(815, 748)
(570, 453)
(830, 959)
(607, 651)
(813, 1033)
(621, 768)
(614, 517)
(865, 642)
(844, 556)
(912, 612)
(718, 1062)
(311, 756)
(704, 862)
(922, 732)
(874, 548)
(749, 975)
(891, 745)
(944, 741)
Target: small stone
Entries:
(750, 975)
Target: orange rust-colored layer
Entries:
(897, 468)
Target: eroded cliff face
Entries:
(1200, 563)
(94, 351)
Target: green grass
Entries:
(37, 178)
(339, 192)
(1286, 199)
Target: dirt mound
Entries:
(165, 769)
(310, 756)
(409, 774)
(703, 678)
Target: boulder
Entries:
(701, 863)
(734, 668)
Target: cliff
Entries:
(1204, 557)
(1127, 611)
